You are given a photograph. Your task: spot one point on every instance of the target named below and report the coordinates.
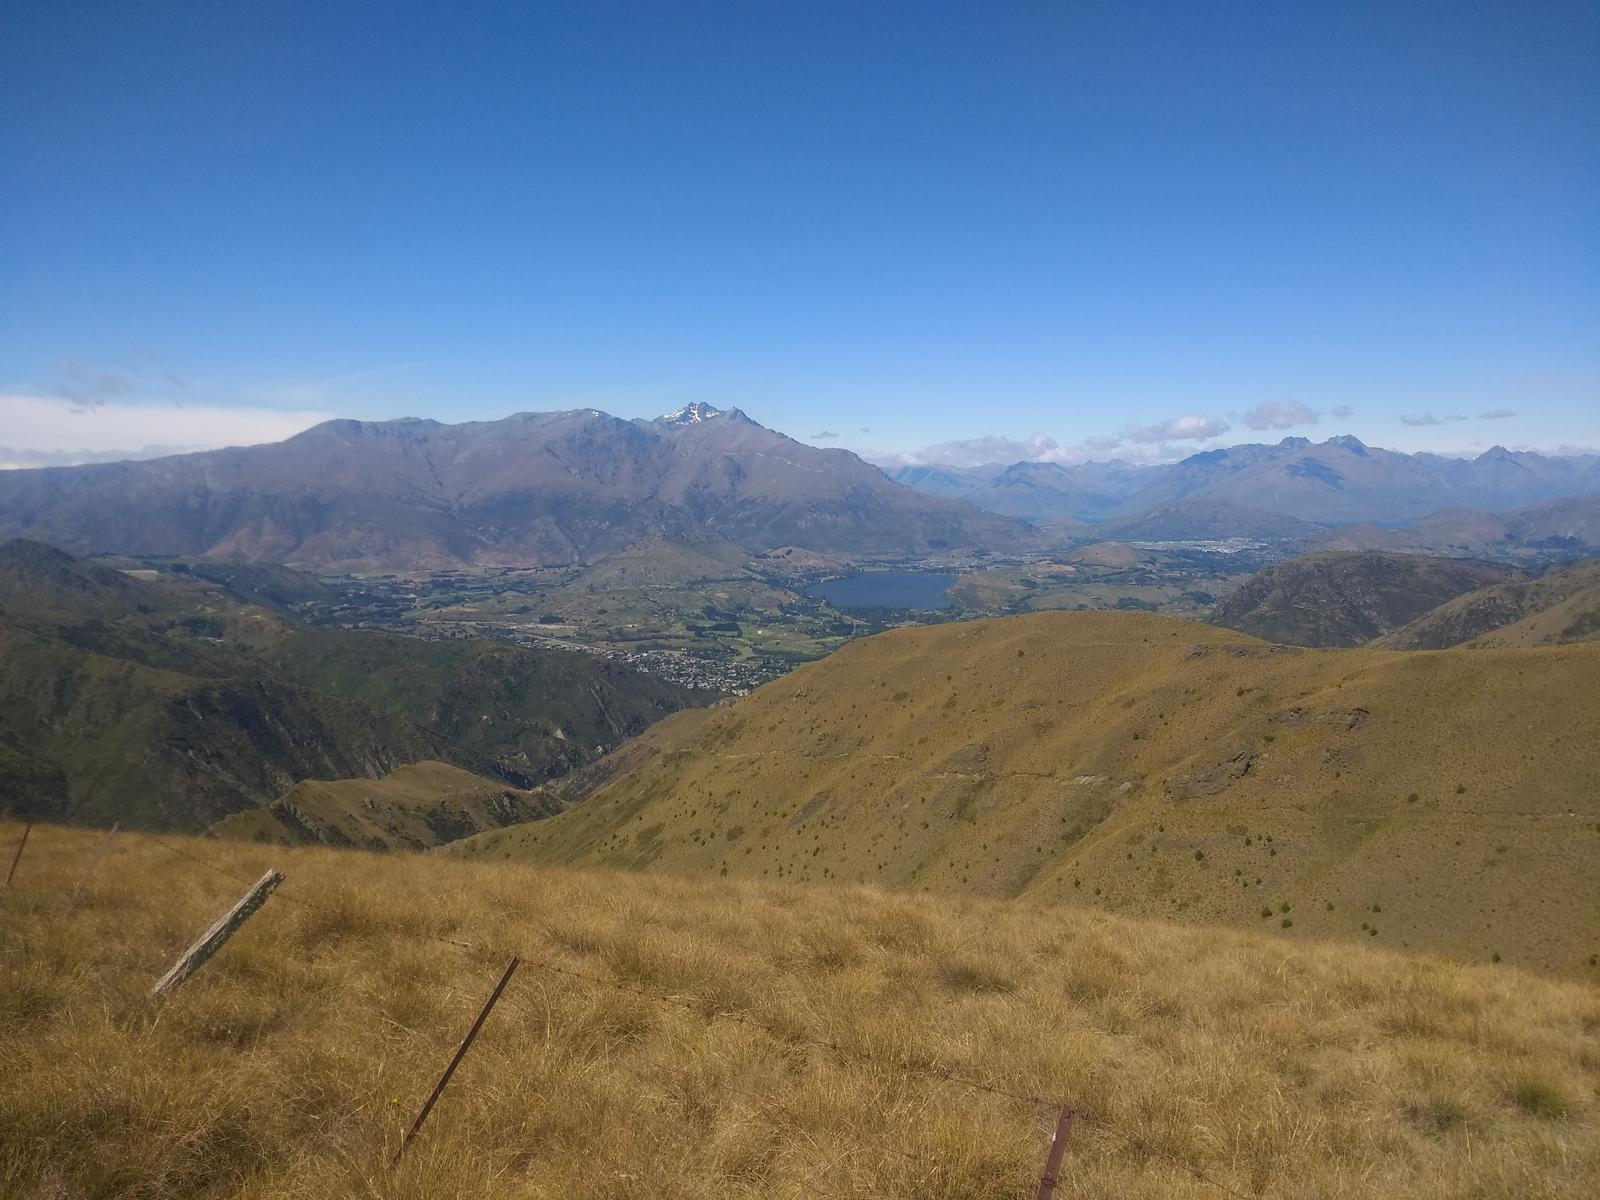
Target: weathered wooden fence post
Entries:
(94, 863)
(26, 830)
(461, 1052)
(211, 940)
(1058, 1147)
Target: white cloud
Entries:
(1425, 418)
(1496, 414)
(827, 435)
(1343, 411)
(1280, 414)
(60, 430)
(976, 452)
(1178, 429)
(1138, 443)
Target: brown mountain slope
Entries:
(1148, 766)
(1333, 598)
(412, 808)
(1560, 606)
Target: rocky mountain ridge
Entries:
(1334, 482)
(532, 489)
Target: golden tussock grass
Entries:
(1146, 766)
(291, 1063)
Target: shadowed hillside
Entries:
(169, 703)
(1334, 598)
(706, 1039)
(1562, 605)
(1151, 766)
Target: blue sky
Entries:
(1122, 226)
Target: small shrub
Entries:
(965, 975)
(1539, 1097)
(1436, 1114)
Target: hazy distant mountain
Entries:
(1568, 526)
(1342, 599)
(1336, 482)
(536, 488)
(1571, 524)
(1033, 491)
(1192, 520)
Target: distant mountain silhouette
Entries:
(1336, 482)
(532, 489)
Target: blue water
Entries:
(886, 589)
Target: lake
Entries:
(886, 589)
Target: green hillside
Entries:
(169, 703)
(533, 714)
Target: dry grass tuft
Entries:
(290, 1065)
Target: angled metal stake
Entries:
(461, 1052)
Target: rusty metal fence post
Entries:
(21, 846)
(461, 1052)
(1058, 1147)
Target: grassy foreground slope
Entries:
(291, 1064)
(1146, 765)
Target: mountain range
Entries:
(532, 489)
(1336, 482)
(1569, 526)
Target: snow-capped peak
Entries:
(689, 414)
